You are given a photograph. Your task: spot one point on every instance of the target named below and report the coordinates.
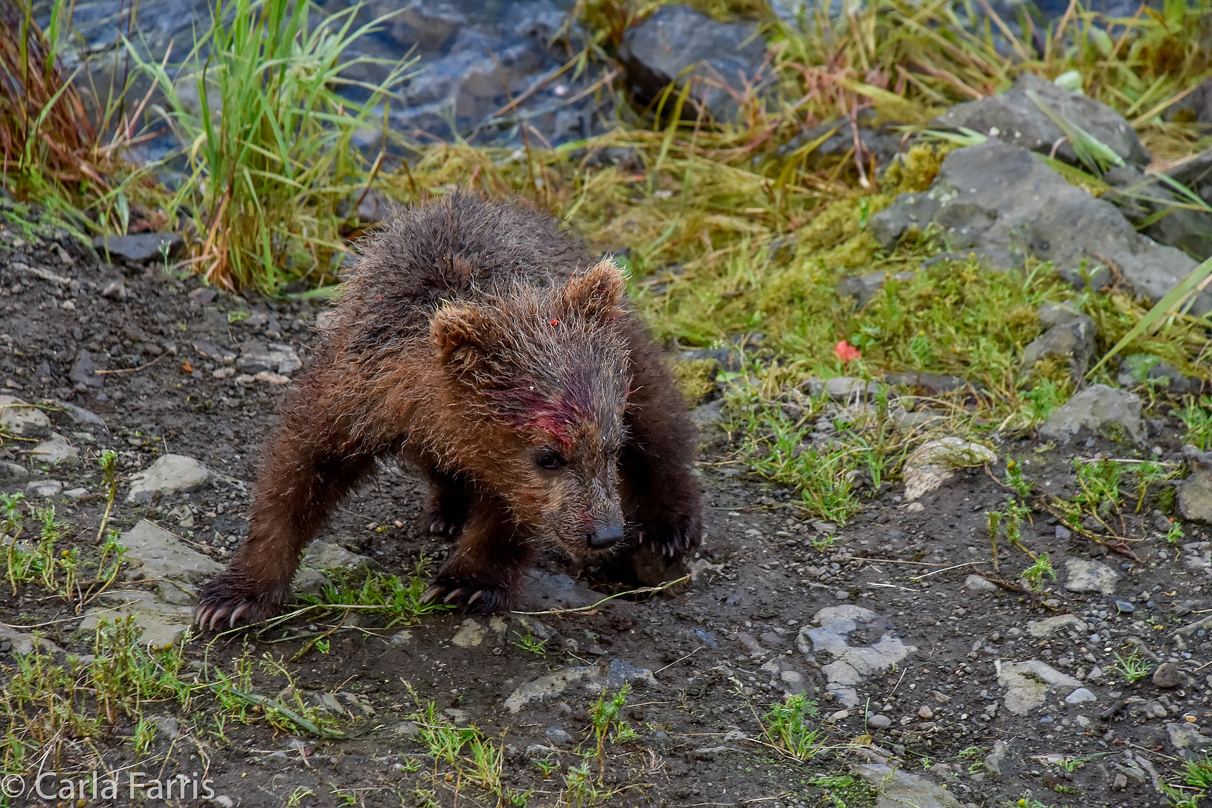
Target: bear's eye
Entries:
(549, 459)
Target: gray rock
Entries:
(1098, 409)
(12, 471)
(20, 418)
(274, 357)
(81, 416)
(851, 664)
(1072, 341)
(1195, 492)
(1167, 675)
(1190, 743)
(1049, 626)
(930, 383)
(845, 389)
(23, 644)
(169, 474)
(55, 452)
(548, 590)
(1195, 173)
(993, 761)
(677, 44)
(1124, 607)
(861, 288)
(84, 371)
(1015, 118)
(706, 415)
(162, 624)
(1080, 696)
(44, 489)
(897, 788)
(169, 564)
(1152, 206)
(879, 722)
(321, 555)
(1086, 575)
(469, 635)
(558, 735)
(139, 248)
(1138, 369)
(611, 676)
(977, 583)
(935, 462)
(1002, 204)
(1027, 684)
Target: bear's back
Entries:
(458, 248)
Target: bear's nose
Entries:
(605, 536)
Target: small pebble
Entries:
(1167, 675)
(925, 712)
(1124, 607)
(879, 722)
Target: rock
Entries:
(1049, 626)
(1153, 208)
(162, 623)
(929, 383)
(44, 489)
(1190, 743)
(1027, 684)
(897, 788)
(1195, 492)
(1002, 204)
(1015, 118)
(879, 722)
(611, 676)
(139, 248)
(321, 555)
(1167, 675)
(861, 288)
(12, 471)
(168, 475)
(84, 371)
(993, 761)
(55, 452)
(851, 664)
(558, 735)
(1072, 341)
(1080, 696)
(274, 357)
(977, 583)
(925, 713)
(1124, 607)
(1099, 409)
(469, 635)
(19, 418)
(166, 726)
(1139, 369)
(1086, 575)
(160, 558)
(709, 414)
(23, 644)
(81, 416)
(845, 389)
(547, 590)
(935, 462)
(677, 44)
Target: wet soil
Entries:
(721, 652)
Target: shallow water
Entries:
(474, 59)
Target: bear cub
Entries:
(488, 351)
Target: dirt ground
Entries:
(721, 652)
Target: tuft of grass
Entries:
(1133, 667)
(1197, 416)
(397, 599)
(270, 140)
(790, 727)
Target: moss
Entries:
(696, 379)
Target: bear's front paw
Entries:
(671, 533)
(476, 593)
(231, 598)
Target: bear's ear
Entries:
(460, 334)
(598, 292)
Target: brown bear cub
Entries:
(487, 350)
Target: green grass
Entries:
(792, 727)
(270, 141)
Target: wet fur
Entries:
(472, 335)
